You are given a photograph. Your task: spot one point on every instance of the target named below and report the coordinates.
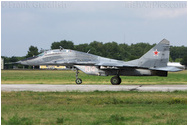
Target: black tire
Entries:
(119, 80)
(115, 80)
(78, 81)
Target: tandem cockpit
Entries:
(55, 51)
(44, 55)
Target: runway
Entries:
(87, 88)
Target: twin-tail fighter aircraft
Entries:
(153, 63)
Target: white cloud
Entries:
(94, 6)
(87, 21)
(165, 13)
(157, 9)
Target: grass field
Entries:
(68, 77)
(88, 108)
(91, 108)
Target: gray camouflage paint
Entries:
(153, 63)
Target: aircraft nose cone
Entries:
(28, 61)
(19, 62)
(22, 62)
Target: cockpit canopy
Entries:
(55, 51)
(41, 54)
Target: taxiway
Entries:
(87, 88)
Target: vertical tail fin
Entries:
(158, 56)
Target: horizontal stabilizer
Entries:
(167, 68)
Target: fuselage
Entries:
(66, 57)
(152, 63)
(86, 63)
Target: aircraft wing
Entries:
(109, 64)
(167, 68)
(72, 62)
(115, 65)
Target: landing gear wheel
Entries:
(78, 81)
(116, 80)
(119, 80)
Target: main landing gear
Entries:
(116, 80)
(78, 80)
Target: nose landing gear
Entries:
(78, 80)
(116, 80)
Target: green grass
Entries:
(94, 108)
(68, 77)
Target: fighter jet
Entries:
(153, 63)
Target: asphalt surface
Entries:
(87, 88)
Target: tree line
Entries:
(112, 50)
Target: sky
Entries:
(26, 23)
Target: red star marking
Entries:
(156, 52)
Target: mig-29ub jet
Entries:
(153, 63)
